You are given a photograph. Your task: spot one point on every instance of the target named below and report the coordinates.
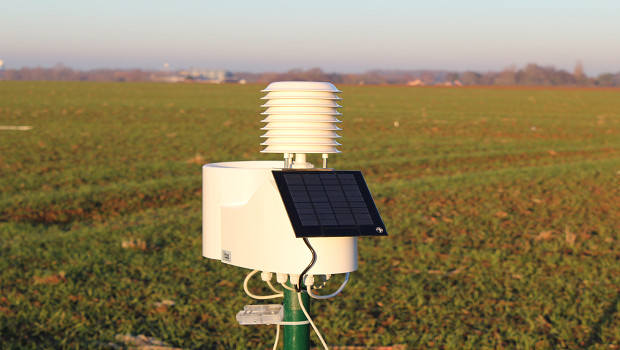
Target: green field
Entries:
(503, 208)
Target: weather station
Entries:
(287, 218)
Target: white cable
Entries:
(259, 297)
(309, 289)
(275, 345)
(287, 287)
(303, 308)
(273, 288)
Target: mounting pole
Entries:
(295, 337)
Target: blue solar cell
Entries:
(310, 223)
(299, 194)
(344, 217)
(330, 182)
(326, 217)
(321, 205)
(334, 193)
(292, 178)
(311, 178)
(318, 194)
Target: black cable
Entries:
(298, 286)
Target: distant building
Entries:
(196, 75)
(210, 75)
(167, 78)
(1, 65)
(416, 82)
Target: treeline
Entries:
(530, 75)
(534, 75)
(62, 73)
(372, 77)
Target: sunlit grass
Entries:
(502, 208)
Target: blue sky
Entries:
(343, 36)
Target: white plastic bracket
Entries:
(260, 314)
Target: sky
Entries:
(343, 36)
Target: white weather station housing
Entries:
(288, 218)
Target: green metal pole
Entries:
(295, 337)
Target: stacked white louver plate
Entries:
(301, 118)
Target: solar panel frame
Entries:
(322, 203)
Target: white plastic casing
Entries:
(245, 224)
(301, 118)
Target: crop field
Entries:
(503, 208)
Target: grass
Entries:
(502, 208)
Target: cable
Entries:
(259, 297)
(303, 308)
(275, 345)
(298, 286)
(346, 279)
(287, 287)
(273, 288)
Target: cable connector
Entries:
(281, 277)
(295, 279)
(309, 280)
(266, 276)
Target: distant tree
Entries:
(472, 78)
(507, 77)
(451, 77)
(608, 79)
(534, 75)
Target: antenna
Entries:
(286, 218)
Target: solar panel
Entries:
(329, 203)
